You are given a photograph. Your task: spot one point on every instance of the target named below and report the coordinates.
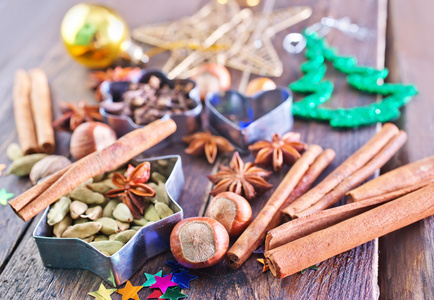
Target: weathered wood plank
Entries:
(351, 275)
(409, 251)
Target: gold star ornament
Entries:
(102, 293)
(223, 33)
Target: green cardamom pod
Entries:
(58, 211)
(23, 165)
(110, 247)
(82, 231)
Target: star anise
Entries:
(132, 188)
(201, 142)
(279, 151)
(243, 179)
(73, 115)
(116, 74)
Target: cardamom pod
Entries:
(82, 231)
(77, 208)
(151, 214)
(93, 213)
(122, 226)
(59, 228)
(122, 213)
(23, 165)
(100, 187)
(136, 228)
(47, 166)
(157, 177)
(100, 237)
(89, 239)
(87, 196)
(58, 211)
(99, 177)
(109, 208)
(140, 222)
(160, 193)
(14, 152)
(163, 210)
(80, 221)
(110, 247)
(125, 236)
(109, 226)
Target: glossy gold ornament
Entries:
(96, 36)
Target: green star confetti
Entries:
(314, 267)
(173, 294)
(363, 78)
(150, 279)
(5, 196)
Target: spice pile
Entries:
(86, 213)
(147, 102)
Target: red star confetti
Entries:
(129, 291)
(102, 293)
(264, 262)
(2, 167)
(163, 283)
(5, 196)
(173, 294)
(156, 294)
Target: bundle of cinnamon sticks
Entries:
(292, 199)
(32, 110)
(37, 198)
(314, 238)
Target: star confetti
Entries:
(163, 283)
(156, 294)
(264, 262)
(173, 294)
(150, 279)
(5, 196)
(260, 249)
(176, 266)
(183, 279)
(2, 167)
(129, 291)
(102, 293)
(314, 267)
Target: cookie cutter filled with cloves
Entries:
(149, 241)
(128, 105)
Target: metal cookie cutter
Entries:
(243, 120)
(186, 122)
(149, 241)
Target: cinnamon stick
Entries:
(23, 114)
(407, 175)
(308, 224)
(357, 177)
(254, 234)
(353, 163)
(97, 163)
(318, 166)
(321, 245)
(41, 110)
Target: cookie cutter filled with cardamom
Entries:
(149, 241)
(113, 109)
(244, 120)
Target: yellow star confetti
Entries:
(264, 262)
(129, 291)
(102, 293)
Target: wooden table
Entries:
(30, 38)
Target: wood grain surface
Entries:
(31, 38)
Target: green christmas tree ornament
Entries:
(362, 78)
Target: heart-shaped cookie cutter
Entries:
(186, 122)
(245, 120)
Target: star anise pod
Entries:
(243, 179)
(279, 151)
(73, 115)
(132, 188)
(201, 142)
(116, 74)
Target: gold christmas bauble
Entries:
(94, 35)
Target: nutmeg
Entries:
(47, 166)
(232, 211)
(90, 137)
(199, 242)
